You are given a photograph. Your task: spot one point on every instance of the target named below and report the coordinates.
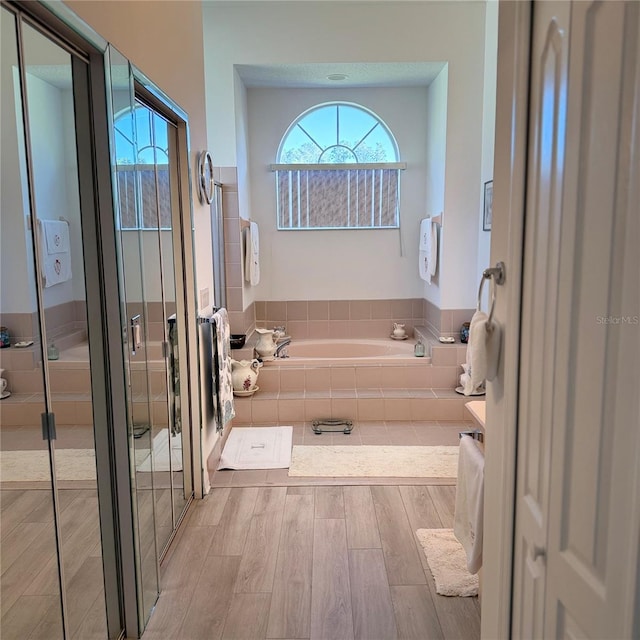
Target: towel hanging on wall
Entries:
(428, 249)
(483, 351)
(468, 519)
(56, 235)
(55, 256)
(223, 385)
(252, 254)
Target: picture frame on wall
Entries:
(488, 206)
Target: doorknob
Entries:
(538, 552)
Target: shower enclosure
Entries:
(149, 218)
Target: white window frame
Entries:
(348, 207)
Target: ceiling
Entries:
(360, 74)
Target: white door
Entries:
(550, 48)
(578, 492)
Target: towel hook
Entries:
(496, 275)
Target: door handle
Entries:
(136, 334)
(538, 552)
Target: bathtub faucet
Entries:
(281, 349)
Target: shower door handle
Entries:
(136, 334)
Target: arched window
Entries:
(338, 167)
(142, 157)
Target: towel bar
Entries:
(476, 435)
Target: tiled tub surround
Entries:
(318, 318)
(340, 318)
(390, 388)
(70, 382)
(445, 322)
(66, 324)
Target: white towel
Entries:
(428, 249)
(468, 518)
(424, 267)
(55, 267)
(252, 255)
(483, 352)
(56, 236)
(223, 384)
(425, 233)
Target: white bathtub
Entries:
(348, 352)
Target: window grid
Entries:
(340, 184)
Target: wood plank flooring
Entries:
(309, 563)
(30, 590)
(264, 556)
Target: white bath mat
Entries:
(374, 461)
(33, 466)
(163, 449)
(448, 563)
(257, 448)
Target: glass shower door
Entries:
(148, 217)
(132, 260)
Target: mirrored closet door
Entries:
(53, 582)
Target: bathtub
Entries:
(334, 352)
(326, 370)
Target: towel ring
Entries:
(496, 275)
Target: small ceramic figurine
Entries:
(4, 392)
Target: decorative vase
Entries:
(244, 374)
(464, 332)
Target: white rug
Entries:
(80, 464)
(257, 448)
(27, 466)
(370, 461)
(448, 563)
(162, 451)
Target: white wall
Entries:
(488, 127)
(55, 176)
(164, 40)
(55, 184)
(436, 115)
(16, 281)
(323, 264)
(308, 32)
(243, 177)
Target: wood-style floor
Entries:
(30, 589)
(318, 563)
